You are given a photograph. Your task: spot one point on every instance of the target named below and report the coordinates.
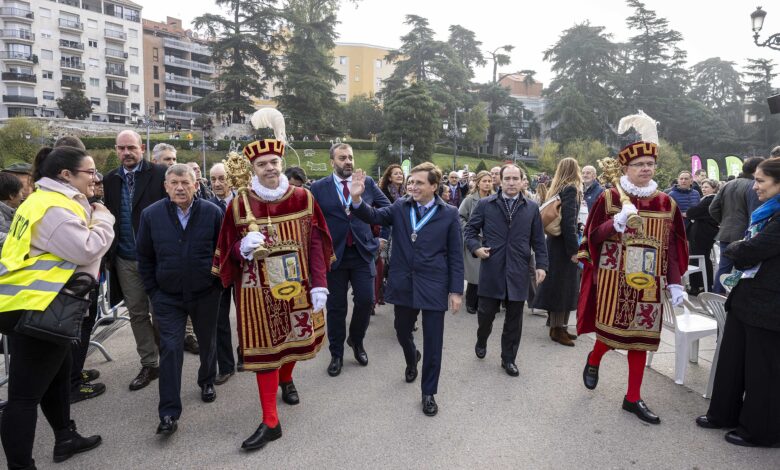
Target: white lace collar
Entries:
(270, 194)
(635, 190)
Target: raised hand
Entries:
(358, 185)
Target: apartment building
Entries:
(529, 92)
(178, 69)
(363, 67)
(48, 47)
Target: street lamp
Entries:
(454, 134)
(148, 121)
(757, 20)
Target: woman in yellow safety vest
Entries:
(55, 232)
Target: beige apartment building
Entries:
(363, 67)
(48, 47)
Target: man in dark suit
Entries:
(355, 248)
(176, 241)
(502, 231)
(130, 189)
(458, 188)
(427, 270)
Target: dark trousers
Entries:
(747, 382)
(433, 340)
(170, 314)
(472, 300)
(513, 325)
(39, 373)
(353, 270)
(724, 267)
(226, 363)
(79, 350)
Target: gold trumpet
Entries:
(611, 173)
(239, 174)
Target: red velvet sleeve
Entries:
(317, 266)
(226, 265)
(678, 250)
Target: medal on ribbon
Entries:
(418, 225)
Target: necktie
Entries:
(423, 210)
(222, 205)
(346, 198)
(130, 180)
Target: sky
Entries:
(710, 29)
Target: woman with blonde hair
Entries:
(541, 193)
(558, 294)
(483, 187)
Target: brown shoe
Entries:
(559, 336)
(144, 377)
(571, 336)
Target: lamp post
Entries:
(757, 20)
(455, 134)
(147, 120)
(410, 148)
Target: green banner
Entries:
(733, 165)
(713, 170)
(406, 165)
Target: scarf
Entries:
(758, 220)
(395, 191)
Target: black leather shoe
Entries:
(590, 375)
(429, 406)
(411, 370)
(290, 393)
(510, 368)
(222, 378)
(68, 442)
(208, 393)
(191, 344)
(471, 310)
(641, 411)
(144, 377)
(262, 436)
(704, 422)
(480, 351)
(334, 368)
(732, 437)
(360, 353)
(167, 426)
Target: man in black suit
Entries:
(457, 187)
(355, 248)
(130, 189)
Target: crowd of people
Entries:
(183, 250)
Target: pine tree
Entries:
(75, 104)
(411, 115)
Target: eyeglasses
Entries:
(642, 165)
(92, 172)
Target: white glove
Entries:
(319, 297)
(249, 243)
(621, 218)
(678, 294)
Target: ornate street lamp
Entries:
(757, 20)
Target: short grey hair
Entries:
(180, 169)
(217, 165)
(160, 148)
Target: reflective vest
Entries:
(31, 283)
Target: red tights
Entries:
(636, 368)
(267, 384)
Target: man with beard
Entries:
(355, 248)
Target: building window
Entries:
(46, 55)
(133, 70)
(92, 24)
(47, 75)
(155, 71)
(132, 33)
(94, 82)
(45, 34)
(94, 63)
(94, 101)
(357, 77)
(378, 63)
(48, 95)
(134, 51)
(135, 88)
(44, 12)
(156, 55)
(135, 106)
(343, 60)
(93, 43)
(343, 98)
(156, 90)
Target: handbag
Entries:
(550, 212)
(61, 321)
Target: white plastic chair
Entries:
(688, 329)
(715, 305)
(699, 268)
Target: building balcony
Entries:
(19, 77)
(111, 90)
(189, 64)
(193, 47)
(71, 45)
(18, 57)
(179, 114)
(118, 110)
(70, 25)
(115, 35)
(116, 53)
(17, 13)
(181, 97)
(20, 99)
(116, 72)
(72, 65)
(204, 84)
(18, 35)
(77, 84)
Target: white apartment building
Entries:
(48, 47)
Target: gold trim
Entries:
(627, 346)
(631, 333)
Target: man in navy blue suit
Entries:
(355, 248)
(427, 270)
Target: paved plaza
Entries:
(369, 418)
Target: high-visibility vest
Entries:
(32, 283)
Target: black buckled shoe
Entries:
(411, 369)
(167, 426)
(289, 393)
(208, 393)
(640, 409)
(262, 436)
(590, 375)
(429, 406)
(360, 352)
(334, 368)
(510, 368)
(68, 442)
(480, 351)
(704, 422)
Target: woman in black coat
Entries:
(747, 379)
(559, 293)
(701, 234)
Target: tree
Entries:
(477, 121)
(362, 117)
(716, 83)
(549, 155)
(500, 59)
(411, 115)
(20, 139)
(243, 47)
(112, 162)
(587, 152)
(496, 96)
(75, 104)
(480, 167)
(308, 78)
(466, 46)
(761, 74)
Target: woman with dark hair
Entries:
(701, 234)
(11, 196)
(747, 378)
(55, 234)
(392, 183)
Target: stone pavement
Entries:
(368, 417)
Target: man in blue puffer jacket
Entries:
(684, 194)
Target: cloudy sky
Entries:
(709, 29)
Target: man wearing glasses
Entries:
(130, 189)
